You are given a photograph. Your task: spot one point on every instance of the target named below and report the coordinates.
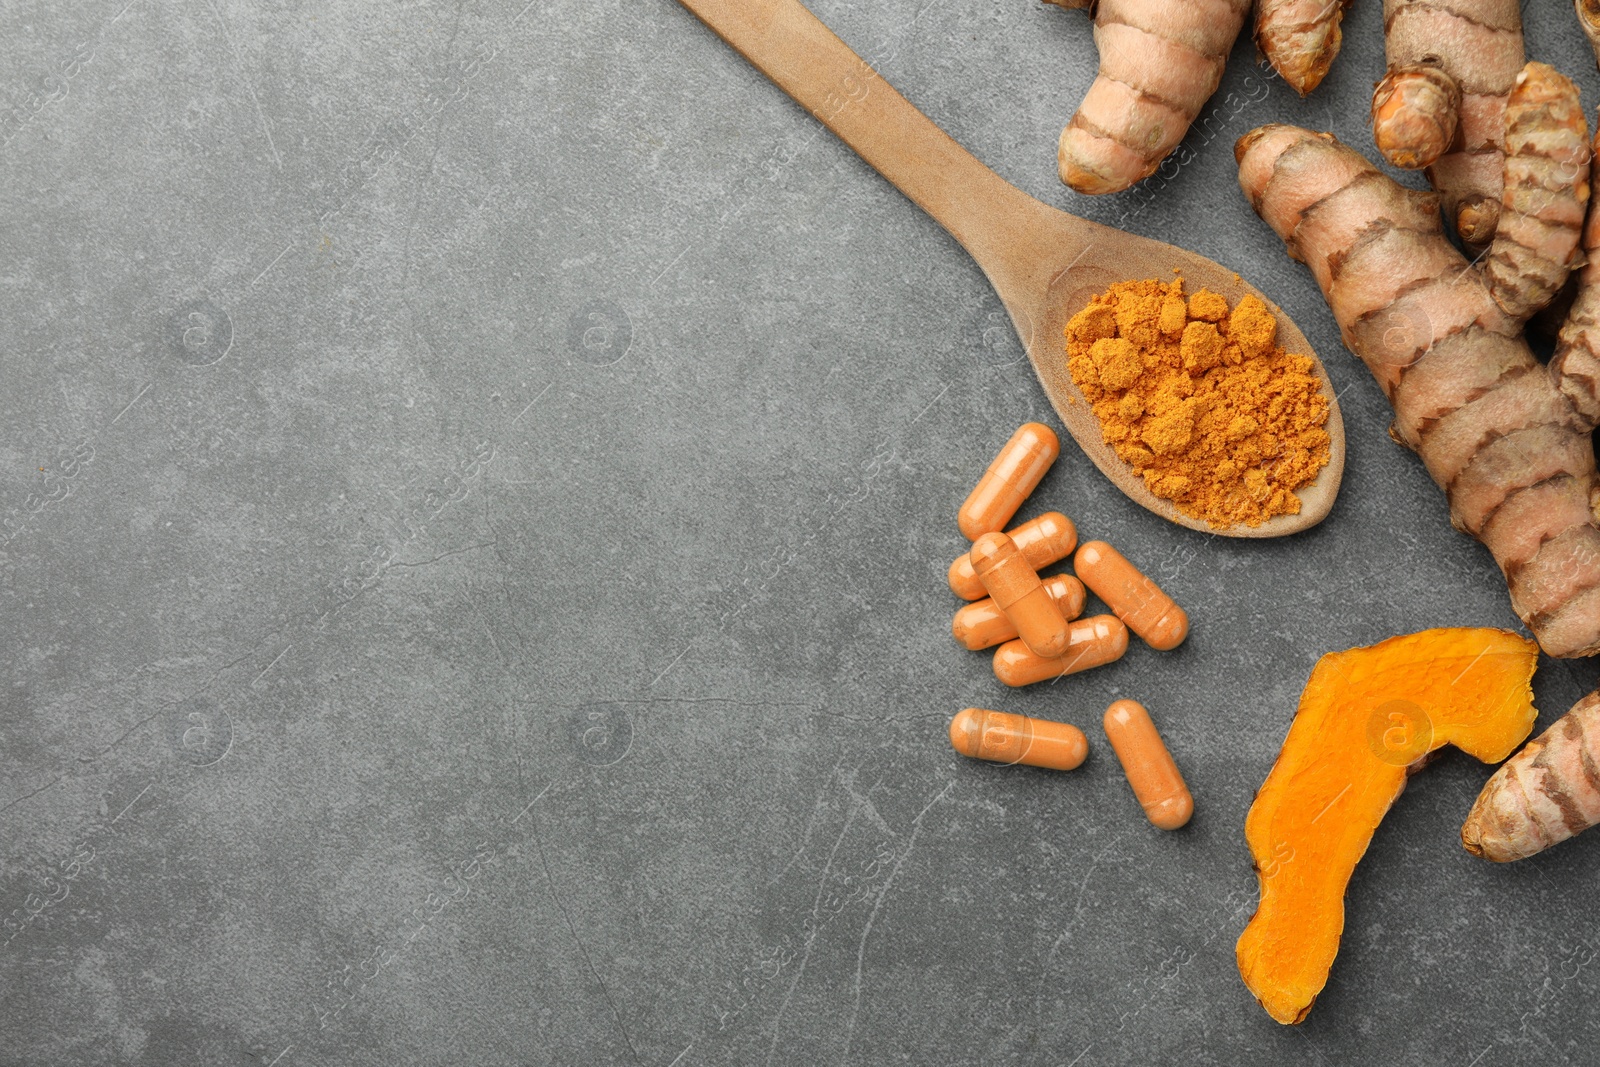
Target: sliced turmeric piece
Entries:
(1366, 719)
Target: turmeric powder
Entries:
(1200, 400)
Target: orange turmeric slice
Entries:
(1367, 718)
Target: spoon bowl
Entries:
(1044, 263)
(1046, 346)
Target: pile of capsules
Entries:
(1037, 626)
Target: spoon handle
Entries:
(992, 219)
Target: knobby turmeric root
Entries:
(1589, 20)
(1159, 63)
(1414, 112)
(1442, 103)
(1546, 793)
(1546, 191)
(1496, 433)
(1576, 363)
(1300, 38)
(1366, 719)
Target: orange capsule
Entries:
(1017, 591)
(1006, 738)
(1149, 766)
(1008, 481)
(982, 625)
(1135, 599)
(1090, 643)
(1042, 541)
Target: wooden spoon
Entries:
(1045, 264)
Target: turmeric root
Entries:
(1159, 63)
(1510, 451)
(1576, 364)
(1367, 718)
(1414, 112)
(1546, 191)
(1589, 20)
(1544, 794)
(1474, 46)
(1300, 38)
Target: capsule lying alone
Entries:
(1042, 541)
(981, 624)
(1006, 738)
(1091, 642)
(1008, 481)
(1017, 591)
(1148, 765)
(1131, 596)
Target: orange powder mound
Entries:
(1199, 399)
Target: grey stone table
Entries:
(477, 481)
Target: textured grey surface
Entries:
(478, 481)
